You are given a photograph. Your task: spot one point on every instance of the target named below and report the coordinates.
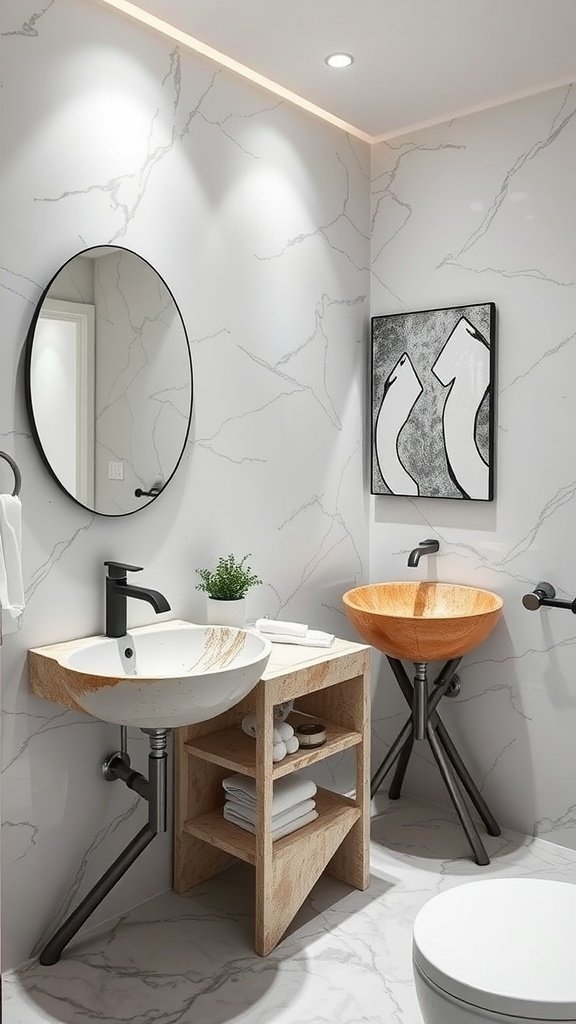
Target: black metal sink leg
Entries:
(425, 723)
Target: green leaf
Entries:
(229, 581)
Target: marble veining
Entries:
(559, 122)
(258, 217)
(202, 174)
(481, 209)
(28, 28)
(346, 957)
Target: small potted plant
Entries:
(226, 588)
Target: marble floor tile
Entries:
(346, 958)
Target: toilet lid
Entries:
(506, 944)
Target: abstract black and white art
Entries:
(432, 403)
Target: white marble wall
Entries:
(480, 209)
(257, 217)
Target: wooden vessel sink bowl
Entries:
(423, 621)
(156, 677)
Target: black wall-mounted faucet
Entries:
(118, 590)
(425, 547)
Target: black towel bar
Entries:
(544, 594)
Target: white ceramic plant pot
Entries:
(226, 613)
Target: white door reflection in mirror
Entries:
(63, 361)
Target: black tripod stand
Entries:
(425, 724)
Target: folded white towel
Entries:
(248, 813)
(250, 805)
(287, 792)
(277, 833)
(313, 638)
(281, 628)
(11, 581)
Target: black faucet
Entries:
(118, 590)
(425, 547)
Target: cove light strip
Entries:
(166, 29)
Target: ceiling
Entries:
(416, 62)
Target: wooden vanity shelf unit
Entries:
(330, 684)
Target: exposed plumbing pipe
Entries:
(154, 790)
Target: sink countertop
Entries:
(44, 663)
(289, 657)
(284, 657)
(66, 646)
(286, 661)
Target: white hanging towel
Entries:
(11, 581)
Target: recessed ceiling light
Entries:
(133, 10)
(339, 60)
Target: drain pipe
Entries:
(154, 790)
(420, 705)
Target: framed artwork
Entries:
(433, 403)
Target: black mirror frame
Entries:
(28, 384)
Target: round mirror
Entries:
(109, 380)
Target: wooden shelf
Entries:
(329, 686)
(213, 828)
(231, 748)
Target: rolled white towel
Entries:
(278, 820)
(277, 833)
(284, 741)
(313, 638)
(11, 580)
(286, 793)
(281, 628)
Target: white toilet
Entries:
(500, 950)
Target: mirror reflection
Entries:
(109, 380)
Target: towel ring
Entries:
(16, 471)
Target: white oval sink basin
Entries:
(162, 676)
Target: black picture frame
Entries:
(433, 437)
